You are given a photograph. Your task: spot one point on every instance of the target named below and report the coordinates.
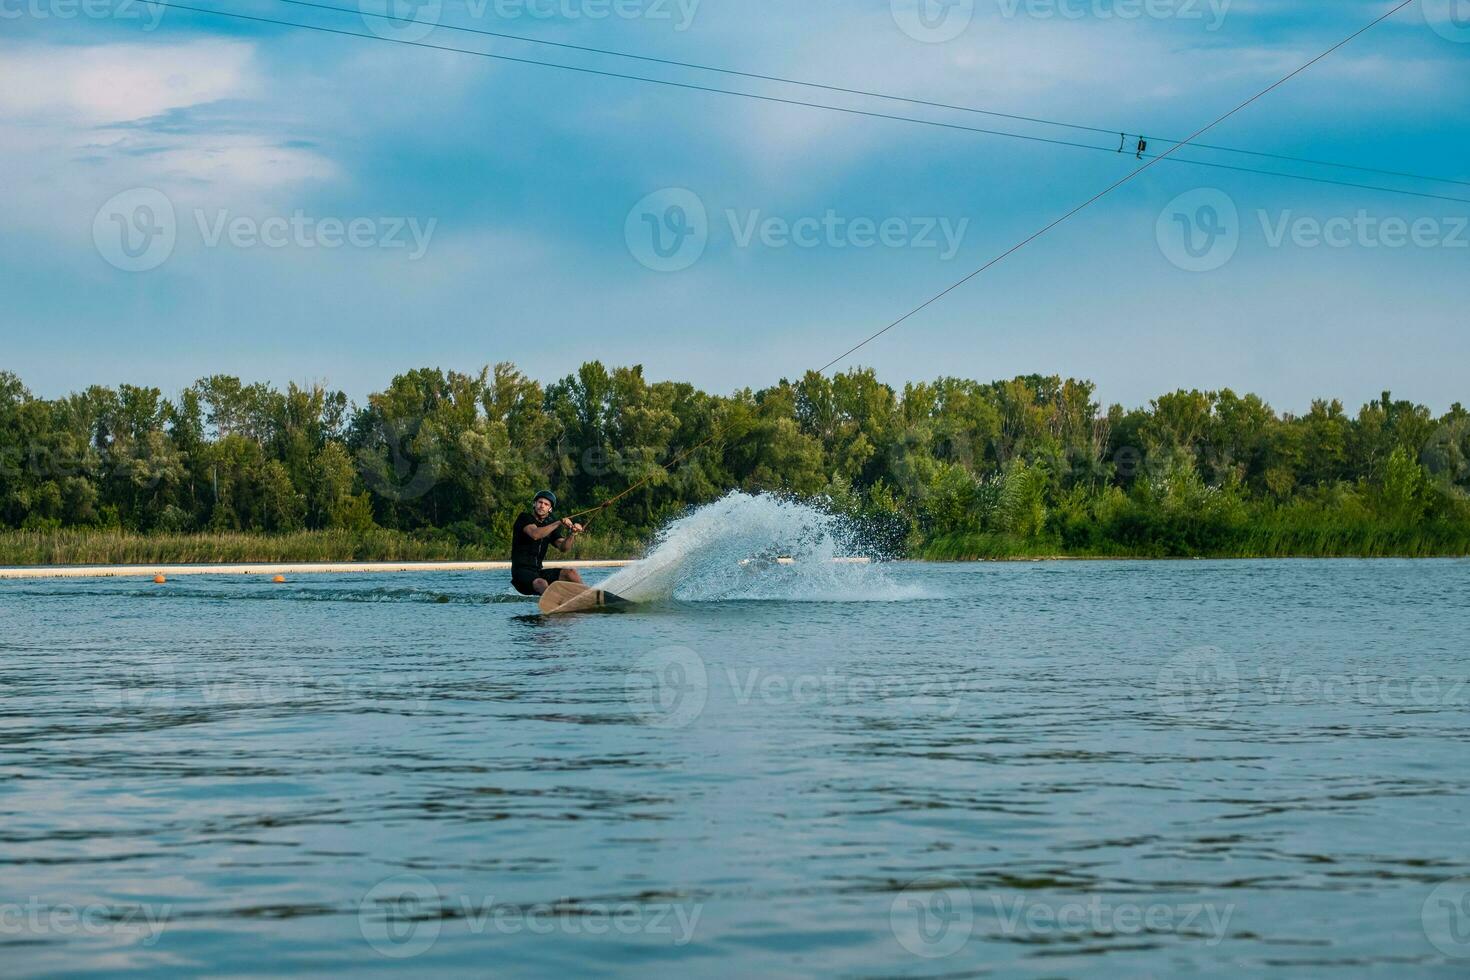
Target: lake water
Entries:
(1036, 769)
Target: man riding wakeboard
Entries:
(529, 538)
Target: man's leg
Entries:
(570, 575)
(539, 585)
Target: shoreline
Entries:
(22, 572)
(306, 568)
(283, 568)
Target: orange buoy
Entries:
(278, 579)
(159, 579)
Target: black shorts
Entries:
(524, 581)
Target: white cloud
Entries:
(116, 83)
(85, 122)
(1052, 69)
(1150, 77)
(210, 165)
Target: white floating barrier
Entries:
(286, 568)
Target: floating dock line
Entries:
(287, 568)
(310, 568)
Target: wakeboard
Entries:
(571, 597)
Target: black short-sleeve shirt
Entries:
(526, 553)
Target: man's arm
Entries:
(538, 531)
(565, 543)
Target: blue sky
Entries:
(524, 186)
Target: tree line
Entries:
(949, 468)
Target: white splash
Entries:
(728, 550)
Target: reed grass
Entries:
(1278, 536)
(1260, 541)
(83, 546)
